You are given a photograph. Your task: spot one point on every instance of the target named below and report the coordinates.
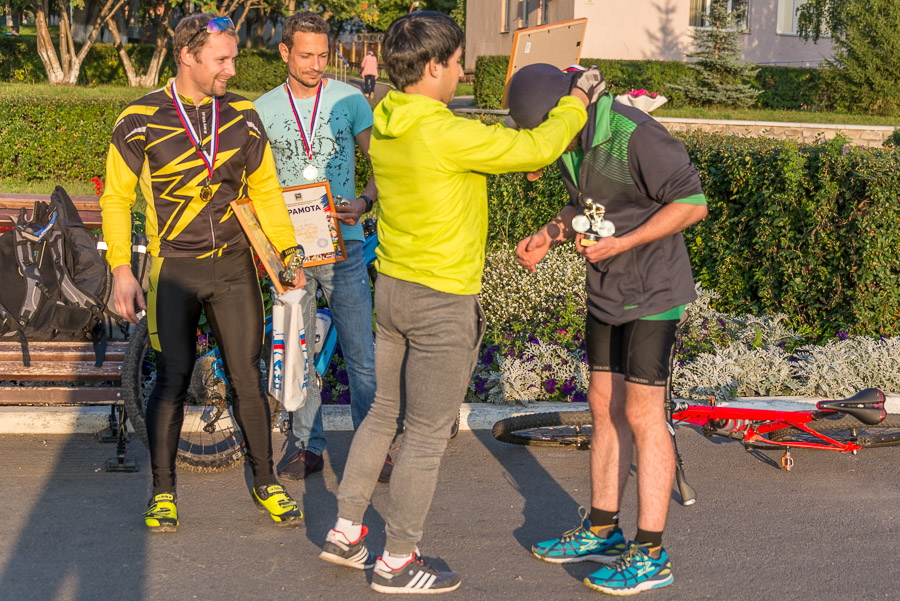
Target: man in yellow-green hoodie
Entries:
(430, 171)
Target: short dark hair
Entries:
(185, 30)
(303, 22)
(414, 39)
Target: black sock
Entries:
(603, 522)
(651, 540)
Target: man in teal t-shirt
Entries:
(314, 125)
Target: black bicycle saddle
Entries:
(866, 405)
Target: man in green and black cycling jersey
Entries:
(194, 148)
(638, 283)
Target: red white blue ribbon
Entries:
(313, 122)
(209, 158)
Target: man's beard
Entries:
(304, 81)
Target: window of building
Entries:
(787, 15)
(523, 14)
(504, 17)
(740, 8)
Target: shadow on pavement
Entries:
(60, 538)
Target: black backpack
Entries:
(56, 284)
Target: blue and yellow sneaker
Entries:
(634, 571)
(580, 544)
(161, 514)
(281, 507)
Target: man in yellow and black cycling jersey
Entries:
(195, 148)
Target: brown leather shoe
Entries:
(301, 465)
(386, 470)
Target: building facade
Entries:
(644, 29)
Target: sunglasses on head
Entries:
(216, 25)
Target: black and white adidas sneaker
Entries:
(414, 577)
(337, 549)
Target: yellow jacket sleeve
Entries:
(115, 208)
(498, 149)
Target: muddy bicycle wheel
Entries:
(844, 428)
(552, 429)
(210, 438)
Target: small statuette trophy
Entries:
(591, 223)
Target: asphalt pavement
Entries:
(828, 530)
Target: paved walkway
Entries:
(828, 530)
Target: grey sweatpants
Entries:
(426, 345)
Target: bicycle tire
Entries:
(198, 450)
(846, 428)
(551, 429)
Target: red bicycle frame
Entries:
(736, 419)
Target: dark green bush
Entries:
(258, 71)
(103, 66)
(621, 76)
(809, 230)
(782, 87)
(19, 60)
(791, 88)
(489, 80)
(812, 230)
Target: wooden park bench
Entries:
(64, 373)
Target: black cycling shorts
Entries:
(641, 350)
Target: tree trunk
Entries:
(64, 70)
(261, 23)
(45, 45)
(151, 77)
(292, 7)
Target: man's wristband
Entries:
(369, 203)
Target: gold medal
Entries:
(205, 193)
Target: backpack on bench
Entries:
(56, 285)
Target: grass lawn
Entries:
(73, 187)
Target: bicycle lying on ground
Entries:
(845, 425)
(210, 438)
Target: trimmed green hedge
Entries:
(809, 230)
(257, 70)
(48, 139)
(782, 87)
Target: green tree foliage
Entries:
(389, 10)
(866, 39)
(719, 77)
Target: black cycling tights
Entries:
(227, 289)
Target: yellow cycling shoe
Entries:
(283, 509)
(161, 514)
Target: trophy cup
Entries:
(591, 223)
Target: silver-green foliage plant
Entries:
(718, 355)
(521, 379)
(841, 368)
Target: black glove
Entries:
(591, 82)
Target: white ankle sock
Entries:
(349, 529)
(395, 562)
